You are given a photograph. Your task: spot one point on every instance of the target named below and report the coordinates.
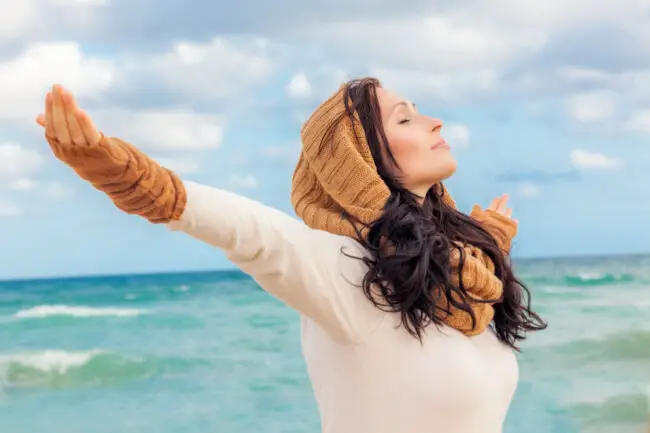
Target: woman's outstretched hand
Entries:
(497, 220)
(500, 205)
(65, 123)
(75, 141)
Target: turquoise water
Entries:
(211, 352)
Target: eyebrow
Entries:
(404, 103)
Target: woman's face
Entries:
(423, 156)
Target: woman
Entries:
(410, 309)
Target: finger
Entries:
(90, 132)
(496, 204)
(508, 212)
(58, 117)
(49, 116)
(76, 133)
(503, 202)
(40, 119)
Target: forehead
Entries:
(387, 98)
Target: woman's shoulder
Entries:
(349, 251)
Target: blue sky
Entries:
(548, 102)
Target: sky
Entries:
(546, 101)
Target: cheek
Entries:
(419, 164)
(410, 152)
(406, 149)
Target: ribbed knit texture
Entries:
(336, 174)
(132, 180)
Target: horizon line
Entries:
(146, 273)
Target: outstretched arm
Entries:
(300, 266)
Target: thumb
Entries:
(476, 211)
(40, 119)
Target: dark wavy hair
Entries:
(421, 233)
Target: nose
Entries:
(436, 125)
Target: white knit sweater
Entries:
(368, 374)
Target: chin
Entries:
(428, 175)
(447, 169)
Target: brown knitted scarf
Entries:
(342, 178)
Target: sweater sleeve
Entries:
(502, 228)
(298, 265)
(134, 182)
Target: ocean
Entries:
(212, 352)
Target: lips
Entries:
(440, 144)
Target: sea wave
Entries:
(621, 346)
(585, 279)
(629, 410)
(63, 369)
(42, 311)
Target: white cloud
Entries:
(639, 122)
(245, 182)
(633, 84)
(528, 190)
(9, 209)
(440, 39)
(288, 153)
(584, 159)
(19, 168)
(220, 68)
(16, 23)
(299, 87)
(450, 87)
(196, 71)
(83, 3)
(618, 100)
(457, 134)
(550, 16)
(450, 55)
(23, 184)
(577, 73)
(56, 191)
(179, 164)
(433, 43)
(323, 80)
(170, 129)
(461, 51)
(590, 107)
(273, 151)
(25, 79)
(51, 190)
(18, 162)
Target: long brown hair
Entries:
(421, 236)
